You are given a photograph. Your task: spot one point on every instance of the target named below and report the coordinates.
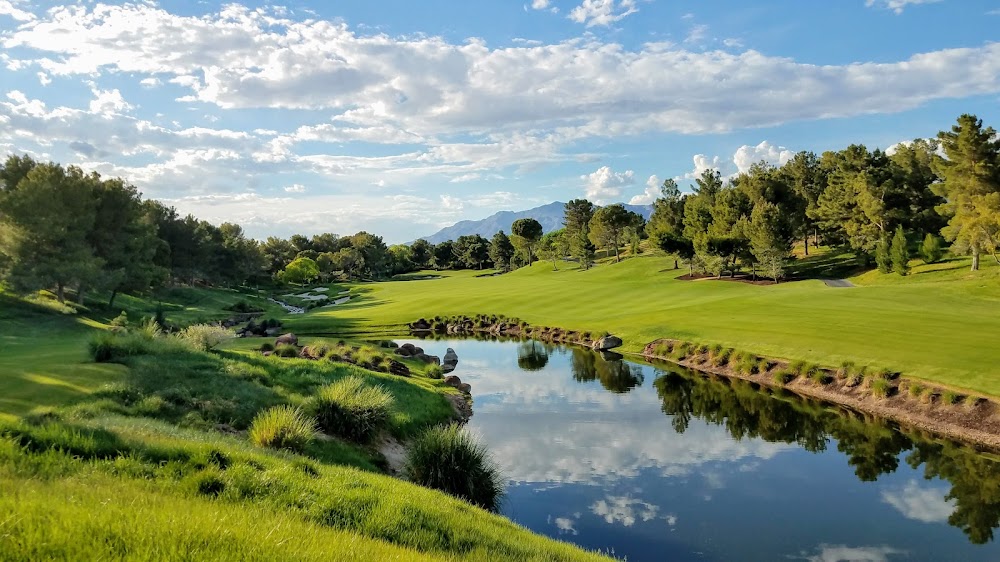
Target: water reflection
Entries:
(695, 467)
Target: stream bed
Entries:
(656, 462)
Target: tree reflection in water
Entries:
(615, 375)
(873, 447)
(533, 355)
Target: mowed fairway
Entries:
(941, 323)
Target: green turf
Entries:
(940, 323)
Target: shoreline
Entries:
(973, 420)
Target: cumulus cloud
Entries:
(624, 510)
(605, 185)
(927, 505)
(295, 188)
(897, 5)
(602, 12)
(108, 102)
(7, 8)
(747, 155)
(651, 193)
(539, 4)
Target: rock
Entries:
(465, 387)
(268, 353)
(306, 353)
(398, 369)
(447, 367)
(407, 350)
(607, 342)
(453, 381)
(287, 339)
(611, 356)
(421, 325)
(450, 357)
(271, 332)
(429, 358)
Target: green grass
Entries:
(936, 324)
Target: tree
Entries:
(883, 255)
(677, 245)
(471, 251)
(576, 223)
(301, 270)
(770, 235)
(709, 184)
(444, 255)
(375, 253)
(350, 261)
(668, 213)
(807, 180)
(277, 253)
(125, 239)
(527, 233)
(930, 250)
(421, 253)
(400, 259)
(549, 247)
(970, 186)
(609, 226)
(44, 224)
(501, 251)
(900, 252)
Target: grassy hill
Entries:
(149, 458)
(940, 323)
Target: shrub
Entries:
(880, 388)
(900, 252)
(120, 321)
(783, 376)
(931, 250)
(434, 372)
(453, 461)
(204, 337)
(282, 427)
(286, 350)
(351, 409)
(149, 329)
(845, 369)
(266, 346)
(114, 346)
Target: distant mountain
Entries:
(550, 216)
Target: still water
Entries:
(660, 463)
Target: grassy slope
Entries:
(103, 466)
(939, 323)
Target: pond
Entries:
(655, 462)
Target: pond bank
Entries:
(971, 419)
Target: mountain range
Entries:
(550, 216)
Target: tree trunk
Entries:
(111, 301)
(975, 259)
(617, 258)
(805, 240)
(675, 264)
(60, 292)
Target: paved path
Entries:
(838, 283)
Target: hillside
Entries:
(550, 216)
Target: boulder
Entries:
(450, 357)
(429, 358)
(405, 350)
(398, 369)
(465, 387)
(607, 342)
(453, 381)
(447, 367)
(421, 325)
(289, 339)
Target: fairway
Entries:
(939, 324)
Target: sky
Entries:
(401, 117)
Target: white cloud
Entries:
(602, 12)
(44, 79)
(652, 192)
(108, 102)
(697, 33)
(7, 8)
(539, 4)
(927, 505)
(747, 155)
(897, 5)
(149, 82)
(605, 185)
(624, 510)
(566, 525)
(295, 188)
(843, 553)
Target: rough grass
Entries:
(884, 322)
(452, 460)
(352, 409)
(283, 427)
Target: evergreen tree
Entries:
(610, 225)
(930, 250)
(900, 252)
(501, 251)
(527, 232)
(883, 257)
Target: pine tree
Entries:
(882, 256)
(900, 252)
(930, 250)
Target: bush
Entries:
(351, 409)
(880, 388)
(120, 321)
(434, 372)
(453, 461)
(266, 346)
(204, 337)
(283, 427)
(931, 250)
(106, 347)
(286, 350)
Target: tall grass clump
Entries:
(745, 363)
(949, 397)
(204, 337)
(351, 409)
(283, 427)
(783, 376)
(452, 460)
(286, 350)
(845, 369)
(880, 388)
(915, 389)
(721, 357)
(110, 346)
(856, 376)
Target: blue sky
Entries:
(401, 117)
